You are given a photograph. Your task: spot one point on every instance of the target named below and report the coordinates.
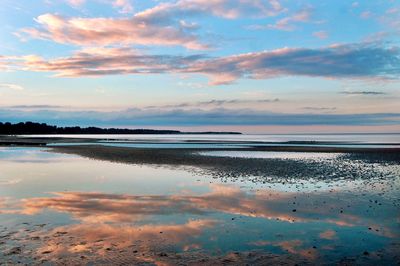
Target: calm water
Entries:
(155, 145)
(222, 141)
(215, 145)
(353, 138)
(64, 208)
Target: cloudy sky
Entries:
(258, 66)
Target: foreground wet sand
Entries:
(227, 225)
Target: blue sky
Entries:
(252, 65)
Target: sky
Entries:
(255, 66)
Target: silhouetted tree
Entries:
(31, 128)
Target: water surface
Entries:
(67, 209)
(351, 138)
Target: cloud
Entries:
(351, 61)
(320, 34)
(234, 101)
(159, 25)
(183, 105)
(107, 31)
(109, 61)
(390, 20)
(7, 63)
(11, 86)
(125, 6)
(327, 109)
(229, 9)
(214, 103)
(363, 92)
(366, 15)
(76, 3)
(288, 23)
(8, 182)
(36, 106)
(136, 117)
(338, 61)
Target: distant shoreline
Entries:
(32, 128)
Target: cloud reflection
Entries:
(96, 207)
(113, 226)
(105, 242)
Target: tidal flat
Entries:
(80, 202)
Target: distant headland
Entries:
(31, 128)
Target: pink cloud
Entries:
(163, 24)
(340, 61)
(124, 6)
(320, 34)
(108, 61)
(106, 31)
(366, 15)
(359, 61)
(76, 3)
(288, 23)
(393, 10)
(229, 9)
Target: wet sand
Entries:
(259, 169)
(51, 249)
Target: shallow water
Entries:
(154, 145)
(191, 145)
(224, 141)
(67, 209)
(352, 138)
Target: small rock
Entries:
(14, 251)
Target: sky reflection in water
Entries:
(60, 206)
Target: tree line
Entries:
(32, 128)
(28, 128)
